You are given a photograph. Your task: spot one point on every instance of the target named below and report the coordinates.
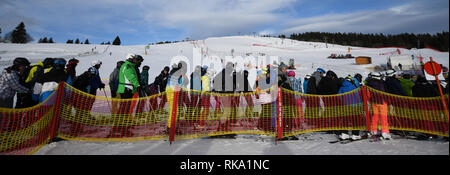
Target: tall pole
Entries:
(440, 89)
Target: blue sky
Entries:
(147, 21)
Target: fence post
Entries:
(173, 117)
(57, 110)
(280, 114)
(365, 95)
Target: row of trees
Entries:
(45, 40)
(438, 41)
(20, 35)
(77, 41)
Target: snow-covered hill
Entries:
(308, 55)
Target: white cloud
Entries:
(208, 18)
(415, 17)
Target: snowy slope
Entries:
(308, 56)
(309, 144)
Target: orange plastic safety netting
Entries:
(25, 131)
(393, 112)
(87, 117)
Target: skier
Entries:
(205, 97)
(144, 80)
(225, 82)
(49, 82)
(423, 88)
(407, 84)
(314, 80)
(159, 86)
(9, 82)
(113, 85)
(161, 79)
(379, 106)
(329, 84)
(128, 85)
(392, 84)
(34, 74)
(70, 68)
(350, 84)
(296, 84)
(95, 82)
(283, 80)
(305, 83)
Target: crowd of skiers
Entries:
(34, 83)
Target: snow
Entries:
(308, 57)
(309, 144)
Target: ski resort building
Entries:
(400, 62)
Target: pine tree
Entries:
(69, 42)
(87, 41)
(77, 41)
(116, 41)
(50, 40)
(44, 40)
(19, 35)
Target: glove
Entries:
(102, 86)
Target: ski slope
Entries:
(308, 57)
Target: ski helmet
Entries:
(390, 72)
(95, 63)
(74, 61)
(291, 74)
(375, 75)
(130, 56)
(20, 61)
(358, 77)
(59, 63)
(320, 70)
(48, 62)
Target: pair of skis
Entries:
(371, 139)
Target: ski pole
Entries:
(109, 105)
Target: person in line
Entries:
(35, 72)
(144, 80)
(350, 83)
(407, 84)
(9, 82)
(128, 86)
(49, 82)
(71, 68)
(159, 86)
(161, 79)
(95, 82)
(305, 83)
(82, 105)
(379, 106)
(113, 85)
(296, 84)
(313, 82)
(392, 84)
(329, 84)
(205, 97)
